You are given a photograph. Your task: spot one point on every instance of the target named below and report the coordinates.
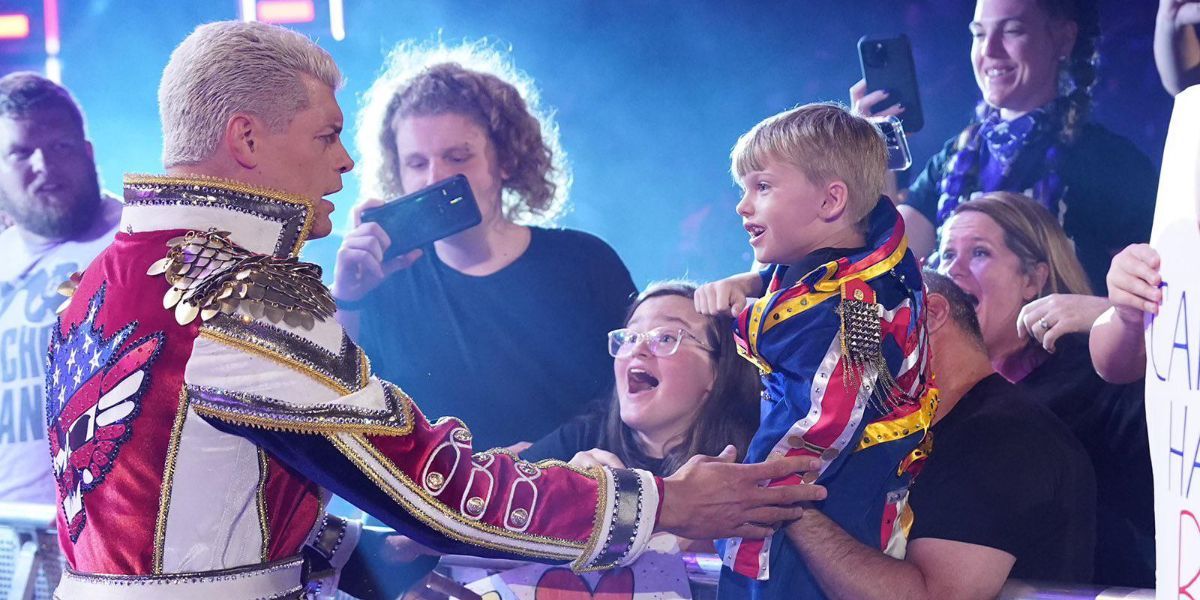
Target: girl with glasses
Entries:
(680, 390)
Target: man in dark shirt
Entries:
(1007, 491)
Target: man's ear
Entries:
(834, 203)
(937, 312)
(241, 139)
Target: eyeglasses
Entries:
(662, 341)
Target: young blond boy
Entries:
(838, 334)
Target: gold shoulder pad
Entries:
(209, 274)
(67, 290)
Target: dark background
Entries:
(650, 95)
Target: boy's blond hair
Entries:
(827, 143)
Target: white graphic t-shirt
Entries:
(30, 273)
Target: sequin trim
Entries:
(294, 211)
(284, 359)
(346, 368)
(273, 414)
(164, 501)
(625, 517)
(112, 583)
(264, 528)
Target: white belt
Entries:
(271, 581)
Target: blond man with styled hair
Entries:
(203, 402)
(838, 335)
(230, 67)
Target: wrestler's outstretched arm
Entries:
(308, 398)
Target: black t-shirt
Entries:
(1007, 474)
(1110, 421)
(513, 354)
(1109, 201)
(584, 433)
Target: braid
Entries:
(1081, 64)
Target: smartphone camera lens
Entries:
(875, 54)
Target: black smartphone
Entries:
(887, 64)
(426, 216)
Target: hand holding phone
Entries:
(423, 217)
(387, 236)
(360, 267)
(890, 79)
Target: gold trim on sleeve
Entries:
(261, 500)
(570, 547)
(282, 359)
(164, 500)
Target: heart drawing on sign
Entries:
(562, 584)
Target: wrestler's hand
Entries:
(360, 266)
(712, 497)
(596, 458)
(401, 549)
(1133, 283)
(861, 102)
(439, 587)
(1049, 318)
(728, 296)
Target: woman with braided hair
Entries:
(1035, 64)
(496, 324)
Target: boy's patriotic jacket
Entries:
(845, 364)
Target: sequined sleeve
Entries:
(307, 396)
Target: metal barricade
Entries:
(30, 561)
(705, 569)
(31, 565)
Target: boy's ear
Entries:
(834, 204)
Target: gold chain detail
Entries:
(164, 502)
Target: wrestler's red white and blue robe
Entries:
(845, 364)
(203, 440)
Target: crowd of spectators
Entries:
(1028, 323)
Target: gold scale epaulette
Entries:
(211, 275)
(862, 344)
(67, 288)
